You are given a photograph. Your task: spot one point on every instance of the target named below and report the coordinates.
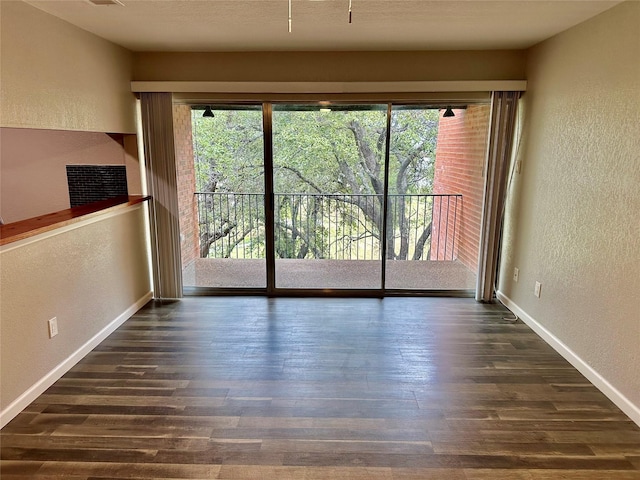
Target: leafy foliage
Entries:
(328, 179)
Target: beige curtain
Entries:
(501, 139)
(157, 132)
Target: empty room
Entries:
(294, 239)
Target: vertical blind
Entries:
(157, 132)
(501, 133)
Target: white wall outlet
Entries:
(516, 274)
(536, 289)
(53, 327)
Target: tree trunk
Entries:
(426, 235)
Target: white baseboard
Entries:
(33, 392)
(601, 383)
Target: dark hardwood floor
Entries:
(258, 388)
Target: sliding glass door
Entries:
(334, 197)
(328, 176)
(435, 196)
(225, 211)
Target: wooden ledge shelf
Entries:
(12, 232)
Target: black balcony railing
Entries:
(329, 226)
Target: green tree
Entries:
(337, 159)
(228, 151)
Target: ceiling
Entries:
(322, 25)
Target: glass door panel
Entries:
(328, 172)
(327, 167)
(222, 212)
(435, 197)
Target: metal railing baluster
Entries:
(331, 226)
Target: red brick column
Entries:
(459, 169)
(186, 178)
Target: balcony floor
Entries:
(336, 274)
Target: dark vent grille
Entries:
(91, 183)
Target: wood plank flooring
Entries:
(310, 389)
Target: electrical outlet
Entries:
(516, 274)
(536, 289)
(53, 327)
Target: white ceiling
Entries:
(261, 25)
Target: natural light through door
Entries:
(328, 170)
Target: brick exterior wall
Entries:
(186, 178)
(459, 169)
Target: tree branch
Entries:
(299, 174)
(302, 235)
(207, 238)
(368, 158)
(424, 236)
(237, 241)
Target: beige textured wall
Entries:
(573, 220)
(61, 90)
(330, 66)
(86, 278)
(56, 76)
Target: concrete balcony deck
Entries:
(334, 274)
